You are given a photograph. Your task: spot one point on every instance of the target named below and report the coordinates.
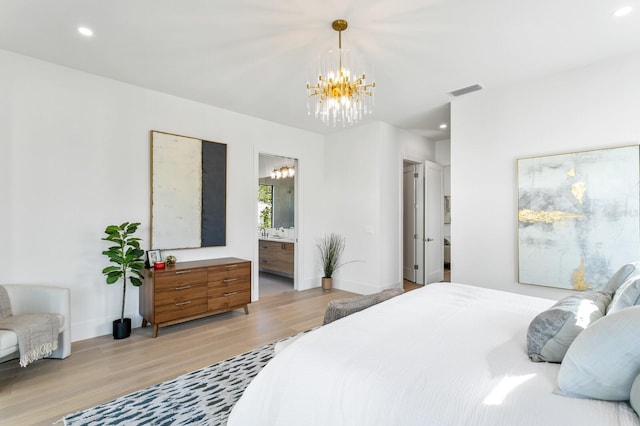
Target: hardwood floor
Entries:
(408, 285)
(101, 369)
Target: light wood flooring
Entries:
(101, 369)
(409, 285)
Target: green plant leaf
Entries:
(111, 229)
(110, 269)
(137, 266)
(112, 279)
(133, 227)
(135, 281)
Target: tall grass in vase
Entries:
(331, 247)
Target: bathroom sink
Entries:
(274, 238)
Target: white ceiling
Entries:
(251, 56)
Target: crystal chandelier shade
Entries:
(341, 92)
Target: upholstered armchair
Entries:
(37, 299)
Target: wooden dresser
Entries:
(190, 290)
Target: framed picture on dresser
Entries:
(153, 256)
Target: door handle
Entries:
(429, 240)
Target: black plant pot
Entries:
(122, 330)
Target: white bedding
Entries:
(446, 354)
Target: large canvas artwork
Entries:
(188, 192)
(578, 217)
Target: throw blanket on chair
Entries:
(37, 333)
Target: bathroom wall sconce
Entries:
(282, 172)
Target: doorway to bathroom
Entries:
(276, 224)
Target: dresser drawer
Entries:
(177, 310)
(226, 300)
(173, 279)
(181, 294)
(228, 273)
(238, 298)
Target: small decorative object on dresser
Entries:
(127, 255)
(190, 290)
(153, 256)
(171, 260)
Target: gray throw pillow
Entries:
(604, 360)
(337, 309)
(634, 397)
(623, 274)
(551, 332)
(627, 295)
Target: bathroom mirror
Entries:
(283, 189)
(188, 192)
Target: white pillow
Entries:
(630, 270)
(627, 295)
(635, 394)
(604, 360)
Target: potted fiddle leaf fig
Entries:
(126, 254)
(331, 247)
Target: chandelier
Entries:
(282, 172)
(342, 94)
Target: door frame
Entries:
(418, 201)
(297, 253)
(408, 158)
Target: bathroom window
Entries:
(265, 205)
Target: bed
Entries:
(445, 354)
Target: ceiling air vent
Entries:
(465, 90)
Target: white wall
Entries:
(589, 108)
(443, 152)
(363, 177)
(75, 158)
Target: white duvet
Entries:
(446, 354)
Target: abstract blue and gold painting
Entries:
(578, 217)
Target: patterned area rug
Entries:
(204, 396)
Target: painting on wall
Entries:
(578, 217)
(188, 192)
(447, 209)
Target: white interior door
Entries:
(413, 223)
(433, 223)
(419, 238)
(408, 223)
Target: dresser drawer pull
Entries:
(230, 266)
(183, 272)
(230, 294)
(184, 287)
(229, 280)
(183, 303)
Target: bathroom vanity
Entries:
(277, 256)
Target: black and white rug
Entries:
(201, 397)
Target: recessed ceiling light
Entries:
(443, 126)
(85, 31)
(623, 11)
